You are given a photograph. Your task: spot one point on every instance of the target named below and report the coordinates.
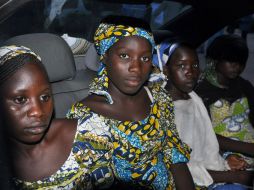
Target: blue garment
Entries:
(228, 187)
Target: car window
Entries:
(80, 17)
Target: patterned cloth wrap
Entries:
(232, 120)
(229, 119)
(160, 58)
(105, 36)
(9, 52)
(210, 73)
(143, 150)
(88, 158)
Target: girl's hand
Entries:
(236, 162)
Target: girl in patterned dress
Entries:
(45, 153)
(147, 151)
(228, 97)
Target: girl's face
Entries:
(229, 70)
(26, 103)
(183, 69)
(129, 63)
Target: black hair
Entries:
(230, 48)
(12, 65)
(126, 20)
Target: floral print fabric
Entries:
(86, 160)
(144, 150)
(232, 120)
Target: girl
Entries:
(180, 64)
(147, 150)
(35, 139)
(228, 97)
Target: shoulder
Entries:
(248, 90)
(94, 101)
(87, 106)
(159, 93)
(208, 92)
(63, 128)
(204, 87)
(245, 83)
(164, 102)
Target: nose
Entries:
(35, 109)
(135, 66)
(189, 71)
(236, 66)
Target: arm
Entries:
(182, 176)
(242, 177)
(228, 144)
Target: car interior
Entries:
(70, 72)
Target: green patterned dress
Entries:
(229, 110)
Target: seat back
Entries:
(68, 84)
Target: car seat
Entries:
(69, 85)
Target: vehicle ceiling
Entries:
(194, 25)
(207, 17)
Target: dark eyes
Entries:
(45, 97)
(195, 66)
(124, 56)
(23, 99)
(182, 66)
(143, 59)
(20, 100)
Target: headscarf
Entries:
(160, 58)
(106, 36)
(210, 73)
(9, 52)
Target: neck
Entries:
(223, 81)
(119, 96)
(177, 94)
(19, 148)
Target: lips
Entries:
(234, 74)
(36, 129)
(133, 81)
(190, 82)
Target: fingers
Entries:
(236, 162)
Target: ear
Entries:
(105, 59)
(166, 70)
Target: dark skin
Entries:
(182, 71)
(36, 141)
(128, 63)
(226, 73)
(127, 72)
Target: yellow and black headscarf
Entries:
(8, 53)
(109, 32)
(114, 28)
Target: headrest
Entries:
(78, 46)
(92, 59)
(55, 53)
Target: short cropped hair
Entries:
(230, 48)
